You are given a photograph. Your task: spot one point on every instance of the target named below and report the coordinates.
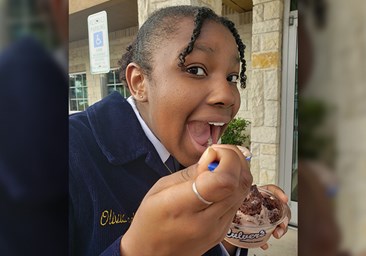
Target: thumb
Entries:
(192, 172)
(187, 174)
(207, 157)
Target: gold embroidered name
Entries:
(109, 217)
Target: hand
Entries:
(171, 220)
(281, 229)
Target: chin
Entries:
(189, 161)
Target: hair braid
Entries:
(162, 24)
(241, 47)
(199, 17)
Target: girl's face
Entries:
(187, 108)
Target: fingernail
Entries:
(204, 155)
(280, 232)
(265, 246)
(246, 153)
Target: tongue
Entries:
(215, 132)
(200, 132)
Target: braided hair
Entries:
(161, 25)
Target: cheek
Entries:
(237, 101)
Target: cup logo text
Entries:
(241, 236)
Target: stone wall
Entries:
(265, 87)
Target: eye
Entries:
(198, 71)
(232, 78)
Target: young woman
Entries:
(139, 182)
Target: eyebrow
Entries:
(209, 50)
(204, 48)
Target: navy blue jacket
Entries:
(33, 151)
(112, 166)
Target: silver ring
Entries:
(194, 188)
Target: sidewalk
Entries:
(287, 245)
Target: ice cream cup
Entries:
(250, 235)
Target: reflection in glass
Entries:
(78, 92)
(114, 84)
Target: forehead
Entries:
(210, 38)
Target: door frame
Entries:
(288, 105)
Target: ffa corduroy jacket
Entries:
(112, 166)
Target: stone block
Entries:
(271, 113)
(268, 162)
(267, 26)
(264, 134)
(256, 43)
(255, 169)
(273, 10)
(256, 82)
(258, 13)
(257, 100)
(267, 177)
(258, 113)
(268, 149)
(265, 60)
(255, 148)
(270, 41)
(271, 84)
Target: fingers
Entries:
(277, 191)
(188, 174)
(281, 229)
(265, 246)
(245, 152)
(242, 152)
(228, 183)
(231, 175)
(229, 205)
(195, 191)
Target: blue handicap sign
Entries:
(98, 39)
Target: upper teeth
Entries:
(216, 123)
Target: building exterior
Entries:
(268, 102)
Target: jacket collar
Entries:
(119, 133)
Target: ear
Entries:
(136, 82)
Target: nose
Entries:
(223, 93)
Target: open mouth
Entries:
(205, 133)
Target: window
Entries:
(78, 92)
(114, 84)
